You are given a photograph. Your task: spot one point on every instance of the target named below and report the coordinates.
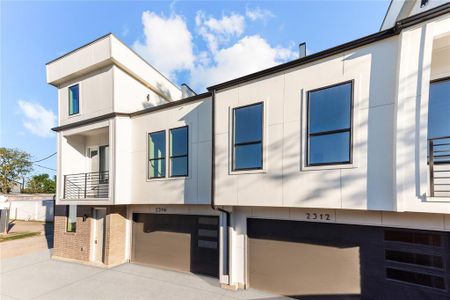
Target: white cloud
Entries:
(168, 43)
(259, 14)
(38, 120)
(229, 53)
(248, 55)
(219, 31)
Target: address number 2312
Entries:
(316, 216)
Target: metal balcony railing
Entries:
(86, 185)
(439, 164)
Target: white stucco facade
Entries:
(386, 184)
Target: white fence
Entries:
(31, 210)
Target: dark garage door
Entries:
(309, 260)
(180, 242)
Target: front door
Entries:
(98, 175)
(94, 160)
(99, 227)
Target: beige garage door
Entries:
(179, 242)
(302, 268)
(297, 269)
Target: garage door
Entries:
(334, 261)
(180, 242)
(291, 266)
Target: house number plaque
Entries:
(317, 216)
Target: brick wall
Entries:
(115, 235)
(76, 245)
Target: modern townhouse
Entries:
(325, 176)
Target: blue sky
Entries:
(199, 43)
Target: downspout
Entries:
(226, 270)
(54, 207)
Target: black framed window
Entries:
(179, 151)
(439, 109)
(71, 216)
(329, 121)
(74, 99)
(424, 279)
(157, 154)
(248, 137)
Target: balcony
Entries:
(94, 185)
(439, 166)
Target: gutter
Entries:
(375, 37)
(133, 114)
(226, 270)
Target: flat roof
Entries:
(395, 30)
(105, 36)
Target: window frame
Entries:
(234, 144)
(434, 81)
(74, 230)
(350, 129)
(79, 102)
(178, 156)
(148, 155)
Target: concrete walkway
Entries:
(36, 276)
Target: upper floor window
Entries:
(329, 124)
(179, 151)
(74, 99)
(439, 109)
(247, 137)
(71, 216)
(157, 154)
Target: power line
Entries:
(44, 158)
(46, 167)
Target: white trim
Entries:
(128, 233)
(392, 14)
(265, 144)
(94, 232)
(356, 82)
(167, 155)
(112, 132)
(83, 129)
(80, 108)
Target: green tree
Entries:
(41, 184)
(14, 164)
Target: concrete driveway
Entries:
(28, 245)
(36, 276)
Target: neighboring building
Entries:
(15, 187)
(308, 178)
(31, 207)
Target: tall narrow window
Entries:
(74, 99)
(179, 142)
(71, 216)
(247, 137)
(157, 154)
(329, 125)
(439, 109)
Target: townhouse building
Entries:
(326, 176)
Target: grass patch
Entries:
(17, 236)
